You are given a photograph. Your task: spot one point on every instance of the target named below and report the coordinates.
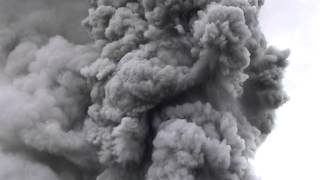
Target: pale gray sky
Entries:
(292, 150)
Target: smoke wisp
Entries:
(164, 90)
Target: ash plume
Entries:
(164, 90)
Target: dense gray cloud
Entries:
(169, 90)
(43, 101)
(43, 97)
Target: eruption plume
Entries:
(167, 90)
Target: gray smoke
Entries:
(168, 89)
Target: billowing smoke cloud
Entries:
(43, 97)
(168, 89)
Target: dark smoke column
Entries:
(183, 89)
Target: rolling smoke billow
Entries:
(166, 90)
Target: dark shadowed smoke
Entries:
(168, 90)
